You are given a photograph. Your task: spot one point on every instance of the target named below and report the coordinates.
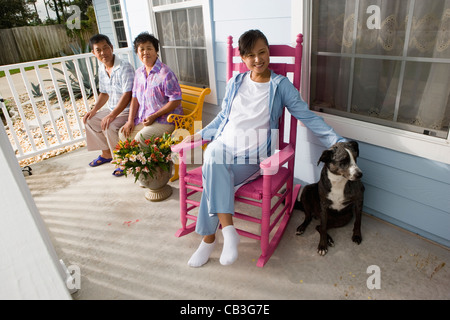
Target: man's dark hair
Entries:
(248, 40)
(98, 38)
(144, 37)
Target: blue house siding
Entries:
(104, 20)
(411, 192)
(408, 191)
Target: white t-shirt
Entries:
(248, 123)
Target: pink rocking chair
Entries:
(260, 192)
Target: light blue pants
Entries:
(221, 173)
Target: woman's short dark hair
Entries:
(144, 37)
(98, 38)
(248, 40)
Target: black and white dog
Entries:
(337, 196)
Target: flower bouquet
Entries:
(138, 159)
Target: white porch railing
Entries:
(54, 120)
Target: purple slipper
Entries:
(118, 172)
(99, 161)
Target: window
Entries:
(383, 62)
(118, 23)
(163, 2)
(183, 28)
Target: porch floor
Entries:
(126, 247)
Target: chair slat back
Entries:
(192, 100)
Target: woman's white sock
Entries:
(230, 243)
(201, 256)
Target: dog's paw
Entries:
(300, 230)
(322, 250)
(330, 241)
(357, 238)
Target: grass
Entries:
(14, 71)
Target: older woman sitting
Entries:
(156, 94)
(254, 100)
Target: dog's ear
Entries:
(354, 145)
(325, 157)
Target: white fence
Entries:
(43, 114)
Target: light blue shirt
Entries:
(120, 81)
(282, 93)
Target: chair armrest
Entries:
(183, 146)
(173, 116)
(180, 120)
(272, 164)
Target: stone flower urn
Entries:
(158, 189)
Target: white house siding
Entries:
(234, 17)
(406, 190)
(136, 17)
